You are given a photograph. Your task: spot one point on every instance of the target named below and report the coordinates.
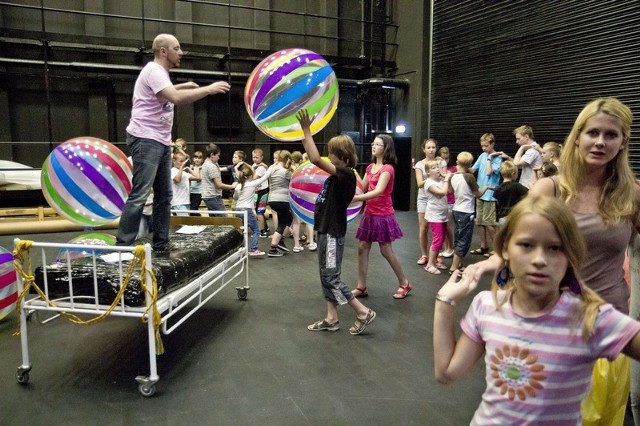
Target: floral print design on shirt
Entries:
(516, 372)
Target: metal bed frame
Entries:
(177, 305)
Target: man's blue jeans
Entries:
(151, 169)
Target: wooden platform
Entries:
(36, 220)
(29, 213)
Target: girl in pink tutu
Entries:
(378, 223)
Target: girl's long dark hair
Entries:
(389, 154)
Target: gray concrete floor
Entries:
(250, 362)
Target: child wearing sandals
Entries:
(429, 147)
(540, 328)
(436, 190)
(331, 224)
(378, 223)
(445, 154)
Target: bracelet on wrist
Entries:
(445, 299)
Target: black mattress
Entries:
(190, 256)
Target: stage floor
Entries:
(250, 362)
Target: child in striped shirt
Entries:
(540, 328)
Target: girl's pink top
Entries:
(381, 205)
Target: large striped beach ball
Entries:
(87, 180)
(8, 286)
(306, 183)
(93, 238)
(283, 84)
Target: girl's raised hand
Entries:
(304, 120)
(458, 286)
(473, 273)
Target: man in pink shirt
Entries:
(149, 139)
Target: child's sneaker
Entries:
(297, 249)
(312, 246)
(273, 252)
(264, 233)
(281, 245)
(256, 253)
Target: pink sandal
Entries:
(441, 265)
(423, 260)
(402, 291)
(360, 292)
(432, 269)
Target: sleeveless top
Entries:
(602, 269)
(381, 205)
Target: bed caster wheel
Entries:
(242, 292)
(146, 386)
(29, 315)
(22, 375)
(147, 390)
(22, 378)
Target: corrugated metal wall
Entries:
(500, 64)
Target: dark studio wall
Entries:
(500, 64)
(67, 68)
(483, 66)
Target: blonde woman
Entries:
(598, 185)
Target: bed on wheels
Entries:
(162, 290)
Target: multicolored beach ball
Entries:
(283, 84)
(87, 180)
(93, 238)
(306, 183)
(8, 285)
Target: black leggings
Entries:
(284, 214)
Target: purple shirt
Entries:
(151, 114)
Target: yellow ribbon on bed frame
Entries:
(24, 246)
